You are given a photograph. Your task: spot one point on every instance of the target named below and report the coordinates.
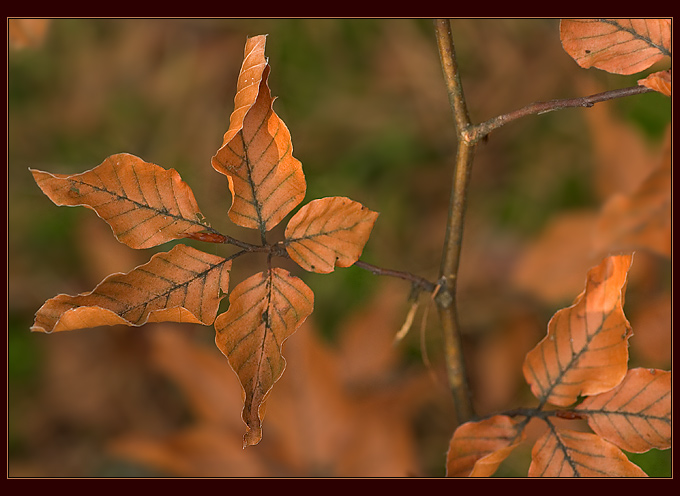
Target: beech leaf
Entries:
(329, 232)
(642, 219)
(144, 204)
(182, 285)
(659, 81)
(620, 46)
(264, 310)
(585, 351)
(265, 180)
(567, 453)
(477, 448)
(636, 415)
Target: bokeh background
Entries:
(366, 105)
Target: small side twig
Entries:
(420, 282)
(479, 131)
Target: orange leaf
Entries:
(329, 232)
(567, 453)
(636, 415)
(265, 180)
(477, 448)
(620, 46)
(264, 310)
(22, 33)
(182, 285)
(642, 219)
(144, 204)
(659, 81)
(586, 349)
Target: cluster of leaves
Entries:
(584, 354)
(582, 362)
(146, 205)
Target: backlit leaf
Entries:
(264, 310)
(620, 46)
(144, 204)
(477, 448)
(659, 81)
(182, 285)
(567, 453)
(265, 180)
(329, 232)
(586, 349)
(636, 415)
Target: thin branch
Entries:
(446, 298)
(475, 133)
(379, 271)
(454, 88)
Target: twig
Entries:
(379, 271)
(446, 298)
(475, 133)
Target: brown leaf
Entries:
(477, 448)
(659, 81)
(22, 33)
(265, 180)
(182, 285)
(567, 453)
(264, 310)
(552, 266)
(653, 324)
(329, 232)
(209, 447)
(319, 424)
(636, 415)
(642, 220)
(622, 156)
(144, 204)
(620, 46)
(586, 349)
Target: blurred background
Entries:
(368, 112)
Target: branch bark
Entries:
(475, 133)
(446, 298)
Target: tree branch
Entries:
(475, 133)
(446, 297)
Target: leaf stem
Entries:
(245, 246)
(446, 298)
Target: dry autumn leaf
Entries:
(328, 232)
(586, 349)
(182, 285)
(477, 448)
(643, 219)
(265, 180)
(552, 266)
(620, 46)
(319, 422)
(567, 453)
(23, 33)
(659, 81)
(636, 415)
(264, 310)
(144, 204)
